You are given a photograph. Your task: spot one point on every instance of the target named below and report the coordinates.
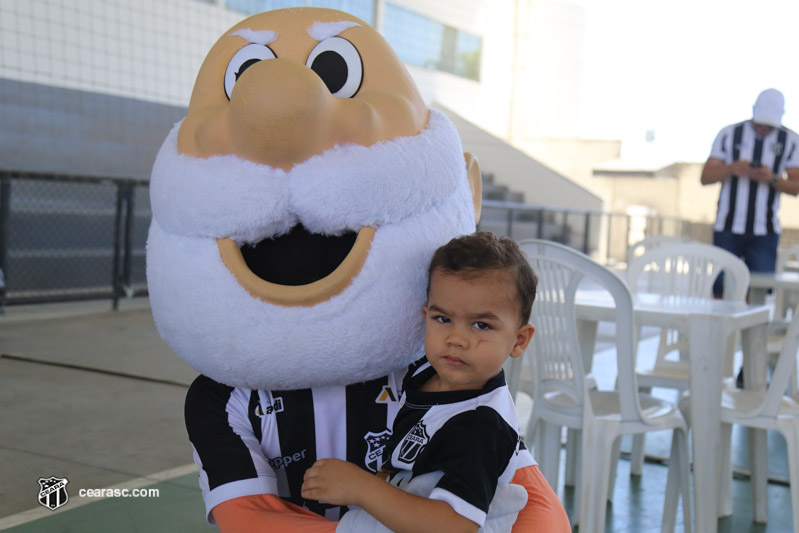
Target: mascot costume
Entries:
(295, 210)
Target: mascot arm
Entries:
(266, 513)
(227, 449)
(543, 511)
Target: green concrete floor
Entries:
(636, 508)
(112, 413)
(178, 509)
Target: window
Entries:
(363, 9)
(426, 43)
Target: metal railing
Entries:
(66, 238)
(602, 235)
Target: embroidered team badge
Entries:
(53, 492)
(375, 446)
(413, 443)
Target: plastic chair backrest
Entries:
(688, 269)
(555, 346)
(637, 249)
(783, 371)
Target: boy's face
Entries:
(472, 325)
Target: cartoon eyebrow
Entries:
(263, 37)
(319, 31)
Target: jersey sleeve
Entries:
(720, 148)
(792, 151)
(226, 450)
(474, 450)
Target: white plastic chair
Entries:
(784, 304)
(681, 270)
(768, 410)
(563, 398)
(646, 244)
(669, 339)
(787, 258)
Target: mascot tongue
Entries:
(298, 257)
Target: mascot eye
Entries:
(338, 63)
(242, 60)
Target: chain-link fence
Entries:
(72, 238)
(66, 238)
(604, 236)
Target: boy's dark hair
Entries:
(483, 251)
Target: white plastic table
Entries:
(761, 282)
(708, 324)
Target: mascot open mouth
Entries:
(299, 268)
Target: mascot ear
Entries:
(475, 183)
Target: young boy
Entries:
(457, 417)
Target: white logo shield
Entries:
(53, 492)
(376, 444)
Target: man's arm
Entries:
(342, 483)
(791, 184)
(715, 170)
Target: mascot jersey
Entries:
(261, 442)
(470, 435)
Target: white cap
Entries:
(769, 108)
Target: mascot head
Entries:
(297, 205)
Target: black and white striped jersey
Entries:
(746, 206)
(471, 436)
(250, 442)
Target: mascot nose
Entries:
(281, 113)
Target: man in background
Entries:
(755, 160)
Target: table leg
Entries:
(586, 340)
(757, 295)
(707, 352)
(753, 342)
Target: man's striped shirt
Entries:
(746, 206)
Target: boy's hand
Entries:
(335, 481)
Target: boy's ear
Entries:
(424, 311)
(523, 338)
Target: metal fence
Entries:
(65, 238)
(602, 235)
(72, 237)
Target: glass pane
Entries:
(363, 9)
(426, 43)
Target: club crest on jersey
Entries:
(387, 395)
(413, 443)
(375, 446)
(275, 407)
(53, 492)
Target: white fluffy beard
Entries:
(371, 328)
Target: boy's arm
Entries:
(342, 483)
